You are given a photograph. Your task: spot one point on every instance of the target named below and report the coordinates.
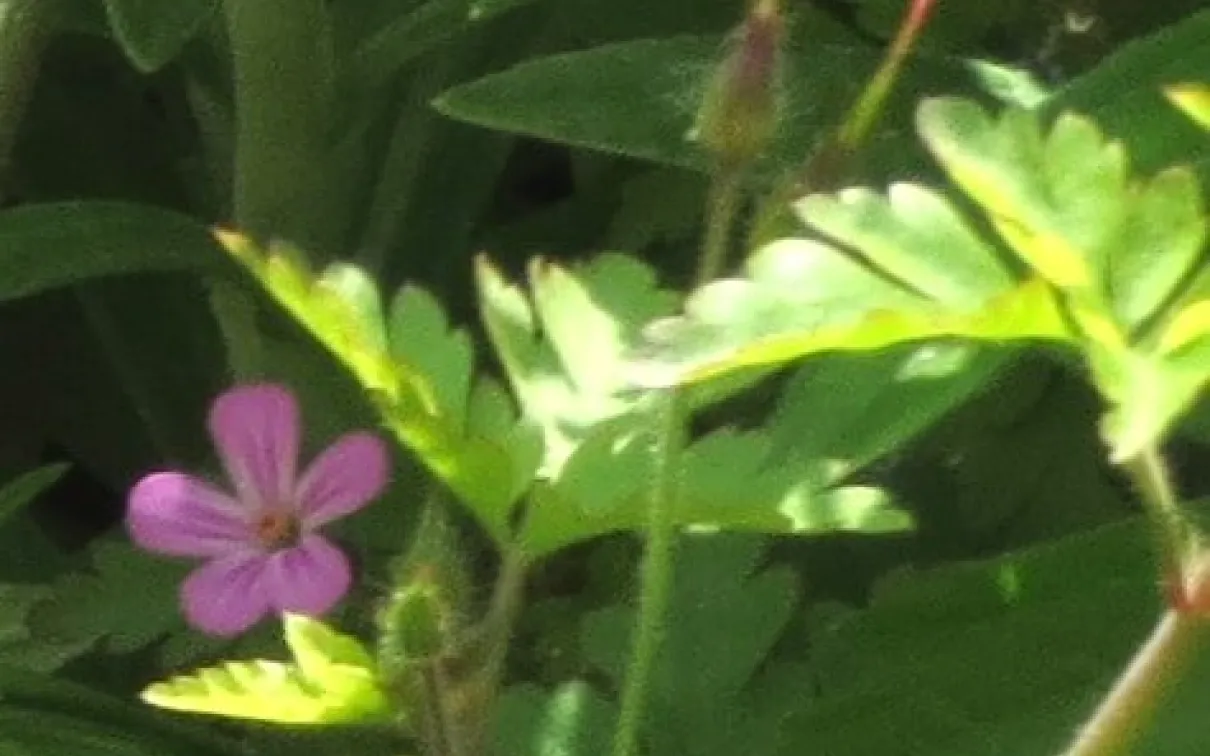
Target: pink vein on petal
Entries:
(308, 579)
(227, 596)
(177, 514)
(345, 477)
(256, 431)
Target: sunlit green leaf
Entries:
(914, 236)
(332, 680)
(563, 345)
(1193, 100)
(1062, 199)
(802, 297)
(487, 460)
(1124, 94)
(730, 481)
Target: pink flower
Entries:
(262, 543)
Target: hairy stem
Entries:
(283, 63)
(656, 573)
(1123, 715)
(722, 206)
(24, 25)
(1172, 535)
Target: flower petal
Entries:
(227, 596)
(177, 514)
(344, 478)
(307, 579)
(256, 431)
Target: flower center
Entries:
(277, 530)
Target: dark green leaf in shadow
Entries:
(640, 98)
(17, 493)
(47, 246)
(152, 32)
(572, 720)
(1005, 656)
(41, 715)
(390, 49)
(725, 616)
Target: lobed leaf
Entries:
(418, 372)
(1124, 94)
(725, 615)
(1064, 202)
(1003, 656)
(803, 297)
(563, 346)
(332, 680)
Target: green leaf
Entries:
(476, 445)
(1010, 85)
(572, 720)
(129, 599)
(394, 46)
(151, 32)
(44, 715)
(634, 98)
(913, 235)
(421, 336)
(49, 246)
(853, 408)
(22, 648)
(1064, 203)
(1004, 656)
(20, 492)
(563, 349)
(724, 619)
(1193, 100)
(332, 680)
(802, 297)
(732, 481)
(1124, 94)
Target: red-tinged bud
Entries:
(739, 111)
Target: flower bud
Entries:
(425, 610)
(739, 111)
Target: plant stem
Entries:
(24, 25)
(1172, 535)
(283, 65)
(1124, 713)
(656, 572)
(722, 207)
(866, 110)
